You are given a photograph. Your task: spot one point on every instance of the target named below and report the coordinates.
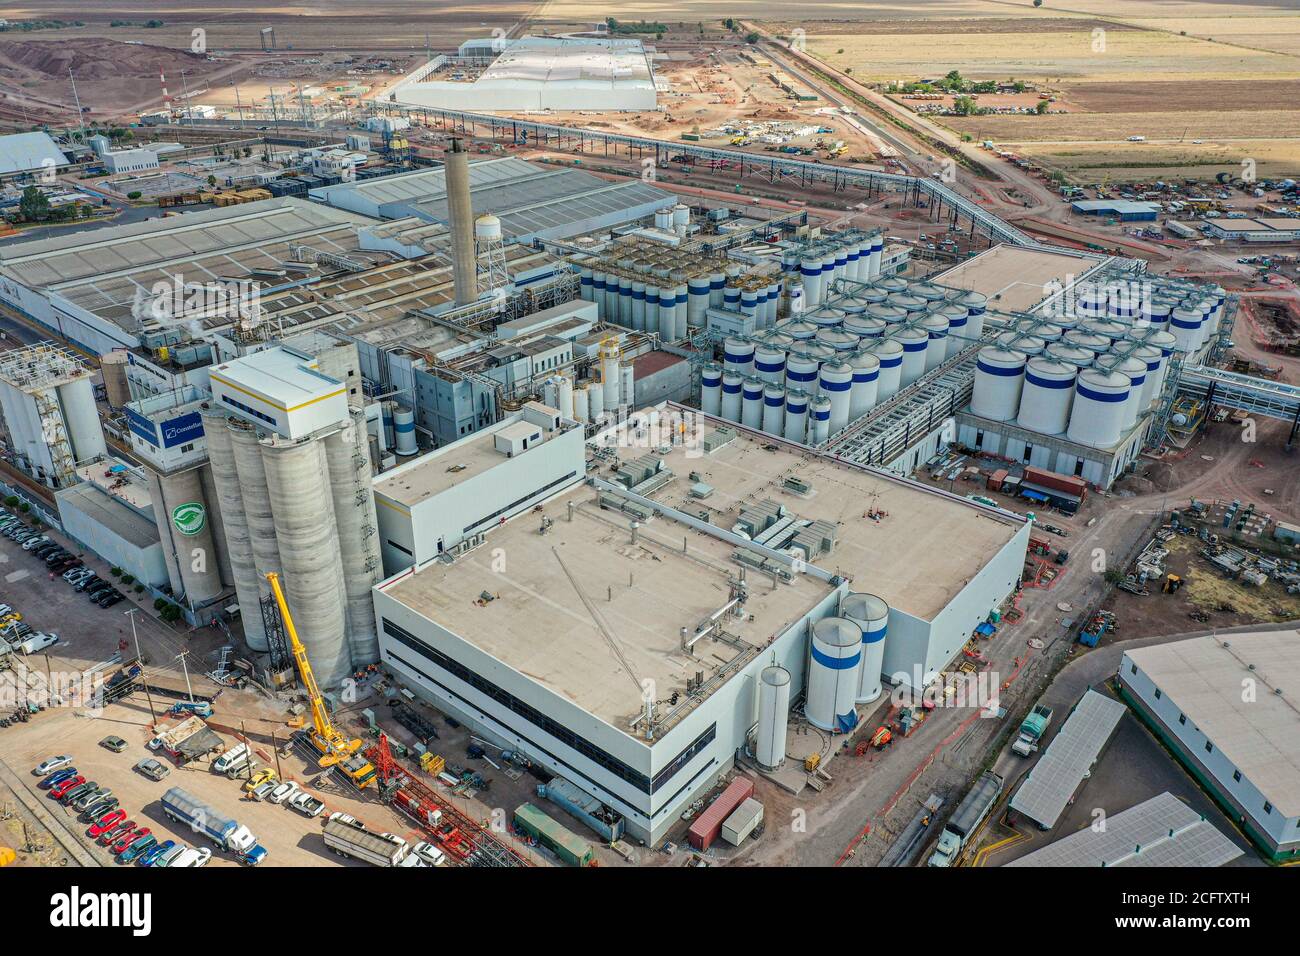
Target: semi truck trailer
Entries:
(224, 832)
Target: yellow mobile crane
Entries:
(333, 747)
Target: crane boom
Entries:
(334, 748)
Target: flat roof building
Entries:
(1224, 704)
(614, 631)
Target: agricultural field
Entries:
(1146, 162)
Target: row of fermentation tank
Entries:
(809, 377)
(1091, 375)
(845, 661)
(665, 291)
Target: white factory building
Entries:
(1224, 704)
(542, 73)
(622, 631)
(48, 402)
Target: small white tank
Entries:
(1151, 357)
(1185, 324)
(565, 397)
(833, 675)
(1098, 414)
(836, 383)
(711, 389)
(838, 340)
(596, 401)
(581, 406)
(864, 326)
(796, 415)
(752, 402)
(1047, 396)
(800, 331)
(1030, 345)
(871, 615)
(773, 716)
(999, 380)
(627, 385)
(404, 429)
(820, 420)
(1070, 354)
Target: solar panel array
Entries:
(1045, 793)
(1162, 831)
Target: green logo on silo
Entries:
(189, 518)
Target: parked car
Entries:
(429, 853)
(192, 857)
(153, 769)
(166, 858)
(90, 799)
(155, 852)
(35, 541)
(307, 805)
(140, 845)
(105, 824)
(116, 832)
(47, 548)
(80, 790)
(37, 642)
(109, 599)
(59, 789)
(90, 581)
(53, 764)
(265, 775)
(73, 575)
(115, 744)
(99, 809)
(345, 818)
(127, 839)
(283, 792)
(263, 791)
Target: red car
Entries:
(115, 833)
(105, 823)
(127, 840)
(58, 790)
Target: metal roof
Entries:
(22, 152)
(1203, 677)
(1163, 831)
(1048, 788)
(428, 183)
(1114, 205)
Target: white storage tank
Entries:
(825, 318)
(738, 356)
(565, 397)
(819, 420)
(769, 363)
(890, 354)
(1150, 355)
(871, 615)
(749, 304)
(1157, 309)
(810, 271)
(936, 327)
(836, 383)
(795, 298)
(581, 405)
(596, 401)
(1096, 344)
(697, 296)
(773, 716)
(774, 410)
(800, 331)
(864, 326)
(1185, 324)
(1135, 370)
(752, 402)
(652, 309)
(958, 322)
(833, 675)
(610, 381)
(999, 380)
(1071, 354)
(717, 288)
(796, 415)
(915, 343)
(627, 385)
(837, 340)
(1030, 345)
(1047, 396)
(801, 370)
(877, 248)
(1098, 414)
(1091, 299)
(404, 426)
(732, 387)
(1108, 329)
(911, 304)
(866, 382)
(711, 389)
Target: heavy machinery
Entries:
(333, 748)
(1172, 583)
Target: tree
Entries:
(1041, 108)
(965, 106)
(33, 205)
(1038, 3)
(751, 37)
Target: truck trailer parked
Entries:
(224, 832)
(966, 819)
(355, 841)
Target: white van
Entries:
(236, 756)
(38, 642)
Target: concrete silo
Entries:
(239, 546)
(348, 457)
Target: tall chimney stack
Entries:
(464, 259)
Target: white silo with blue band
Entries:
(833, 675)
(871, 615)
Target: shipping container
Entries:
(603, 819)
(708, 824)
(995, 480)
(564, 843)
(1063, 483)
(742, 822)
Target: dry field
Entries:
(1127, 162)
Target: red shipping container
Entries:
(1050, 479)
(708, 824)
(995, 480)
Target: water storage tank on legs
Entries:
(711, 389)
(866, 381)
(773, 715)
(751, 415)
(833, 675)
(836, 384)
(871, 615)
(796, 415)
(999, 379)
(774, 410)
(732, 385)
(1047, 395)
(1098, 414)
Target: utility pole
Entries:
(81, 126)
(185, 92)
(275, 749)
(248, 767)
(238, 105)
(140, 660)
(188, 689)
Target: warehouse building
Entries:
(1224, 705)
(616, 632)
(543, 73)
(1279, 229)
(29, 152)
(1122, 209)
(532, 201)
